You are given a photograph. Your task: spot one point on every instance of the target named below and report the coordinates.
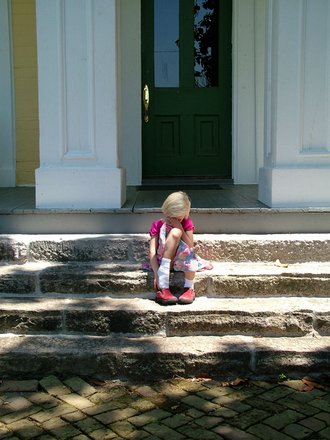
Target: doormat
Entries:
(178, 187)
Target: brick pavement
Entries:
(74, 408)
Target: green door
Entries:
(186, 75)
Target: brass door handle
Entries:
(146, 101)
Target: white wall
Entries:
(7, 132)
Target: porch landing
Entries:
(215, 209)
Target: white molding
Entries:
(315, 87)
(260, 69)
(78, 66)
(7, 112)
(268, 85)
(247, 133)
(234, 91)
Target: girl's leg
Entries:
(189, 278)
(188, 295)
(164, 273)
(171, 244)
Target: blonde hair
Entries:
(177, 204)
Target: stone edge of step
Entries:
(202, 304)
(130, 247)
(163, 357)
(220, 268)
(106, 316)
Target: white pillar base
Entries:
(294, 187)
(80, 188)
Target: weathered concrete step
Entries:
(225, 279)
(158, 357)
(206, 316)
(288, 248)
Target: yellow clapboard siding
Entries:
(23, 7)
(27, 74)
(24, 142)
(25, 57)
(26, 90)
(27, 125)
(26, 107)
(25, 176)
(27, 154)
(22, 27)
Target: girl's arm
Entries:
(188, 237)
(153, 258)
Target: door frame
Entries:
(248, 36)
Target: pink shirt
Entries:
(187, 225)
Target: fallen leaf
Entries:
(279, 264)
(239, 381)
(311, 384)
(297, 385)
(235, 383)
(203, 377)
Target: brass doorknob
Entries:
(146, 100)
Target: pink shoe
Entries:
(165, 297)
(187, 297)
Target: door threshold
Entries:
(184, 183)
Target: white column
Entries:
(79, 105)
(296, 170)
(7, 136)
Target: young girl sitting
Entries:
(171, 247)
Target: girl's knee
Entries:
(175, 233)
(172, 242)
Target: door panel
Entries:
(186, 63)
(168, 136)
(206, 136)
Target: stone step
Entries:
(127, 280)
(288, 248)
(158, 357)
(246, 219)
(266, 317)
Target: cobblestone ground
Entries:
(202, 409)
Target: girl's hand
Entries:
(175, 223)
(156, 282)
